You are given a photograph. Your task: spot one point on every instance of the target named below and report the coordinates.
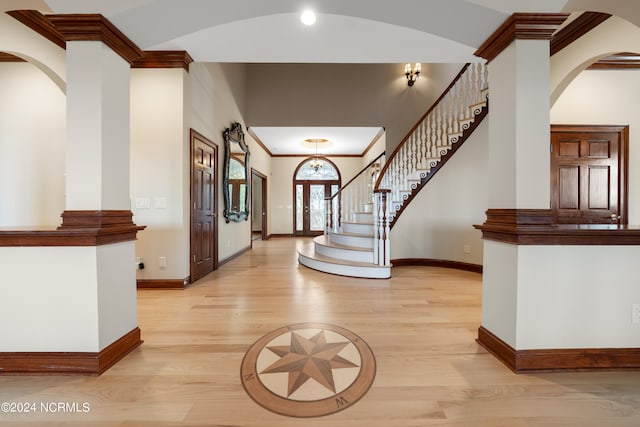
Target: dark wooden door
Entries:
(589, 174)
(204, 206)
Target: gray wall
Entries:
(343, 95)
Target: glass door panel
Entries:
(299, 208)
(316, 207)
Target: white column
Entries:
(519, 126)
(97, 128)
(98, 151)
(519, 162)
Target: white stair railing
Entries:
(422, 149)
(435, 134)
(354, 197)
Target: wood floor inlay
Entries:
(308, 370)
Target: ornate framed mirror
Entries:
(235, 176)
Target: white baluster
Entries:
(387, 230)
(376, 203)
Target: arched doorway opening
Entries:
(311, 185)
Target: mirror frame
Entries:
(235, 135)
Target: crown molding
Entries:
(163, 59)
(94, 27)
(40, 24)
(575, 29)
(521, 26)
(7, 57)
(620, 61)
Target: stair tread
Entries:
(324, 241)
(309, 252)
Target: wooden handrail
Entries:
(356, 176)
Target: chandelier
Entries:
(316, 163)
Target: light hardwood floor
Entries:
(421, 325)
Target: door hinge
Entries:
(194, 257)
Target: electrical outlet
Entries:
(162, 261)
(635, 317)
(467, 249)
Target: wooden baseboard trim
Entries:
(428, 262)
(280, 235)
(555, 360)
(69, 363)
(234, 256)
(500, 349)
(163, 283)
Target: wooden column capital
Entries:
(530, 26)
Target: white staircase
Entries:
(359, 217)
(349, 252)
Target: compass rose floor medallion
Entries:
(308, 370)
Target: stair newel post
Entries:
(387, 229)
(376, 230)
(337, 214)
(382, 228)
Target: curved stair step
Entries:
(326, 247)
(308, 257)
(352, 239)
(358, 227)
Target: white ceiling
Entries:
(346, 30)
(291, 140)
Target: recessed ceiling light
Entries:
(308, 17)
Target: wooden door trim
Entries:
(193, 136)
(306, 187)
(623, 160)
(264, 201)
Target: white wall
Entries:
(52, 307)
(77, 299)
(438, 222)
(582, 298)
(607, 97)
(157, 150)
(32, 147)
(18, 39)
(216, 100)
(377, 149)
(283, 168)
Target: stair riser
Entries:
(360, 242)
(363, 217)
(358, 228)
(346, 270)
(345, 254)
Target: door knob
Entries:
(615, 217)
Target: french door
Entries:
(309, 199)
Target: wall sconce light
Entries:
(412, 73)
